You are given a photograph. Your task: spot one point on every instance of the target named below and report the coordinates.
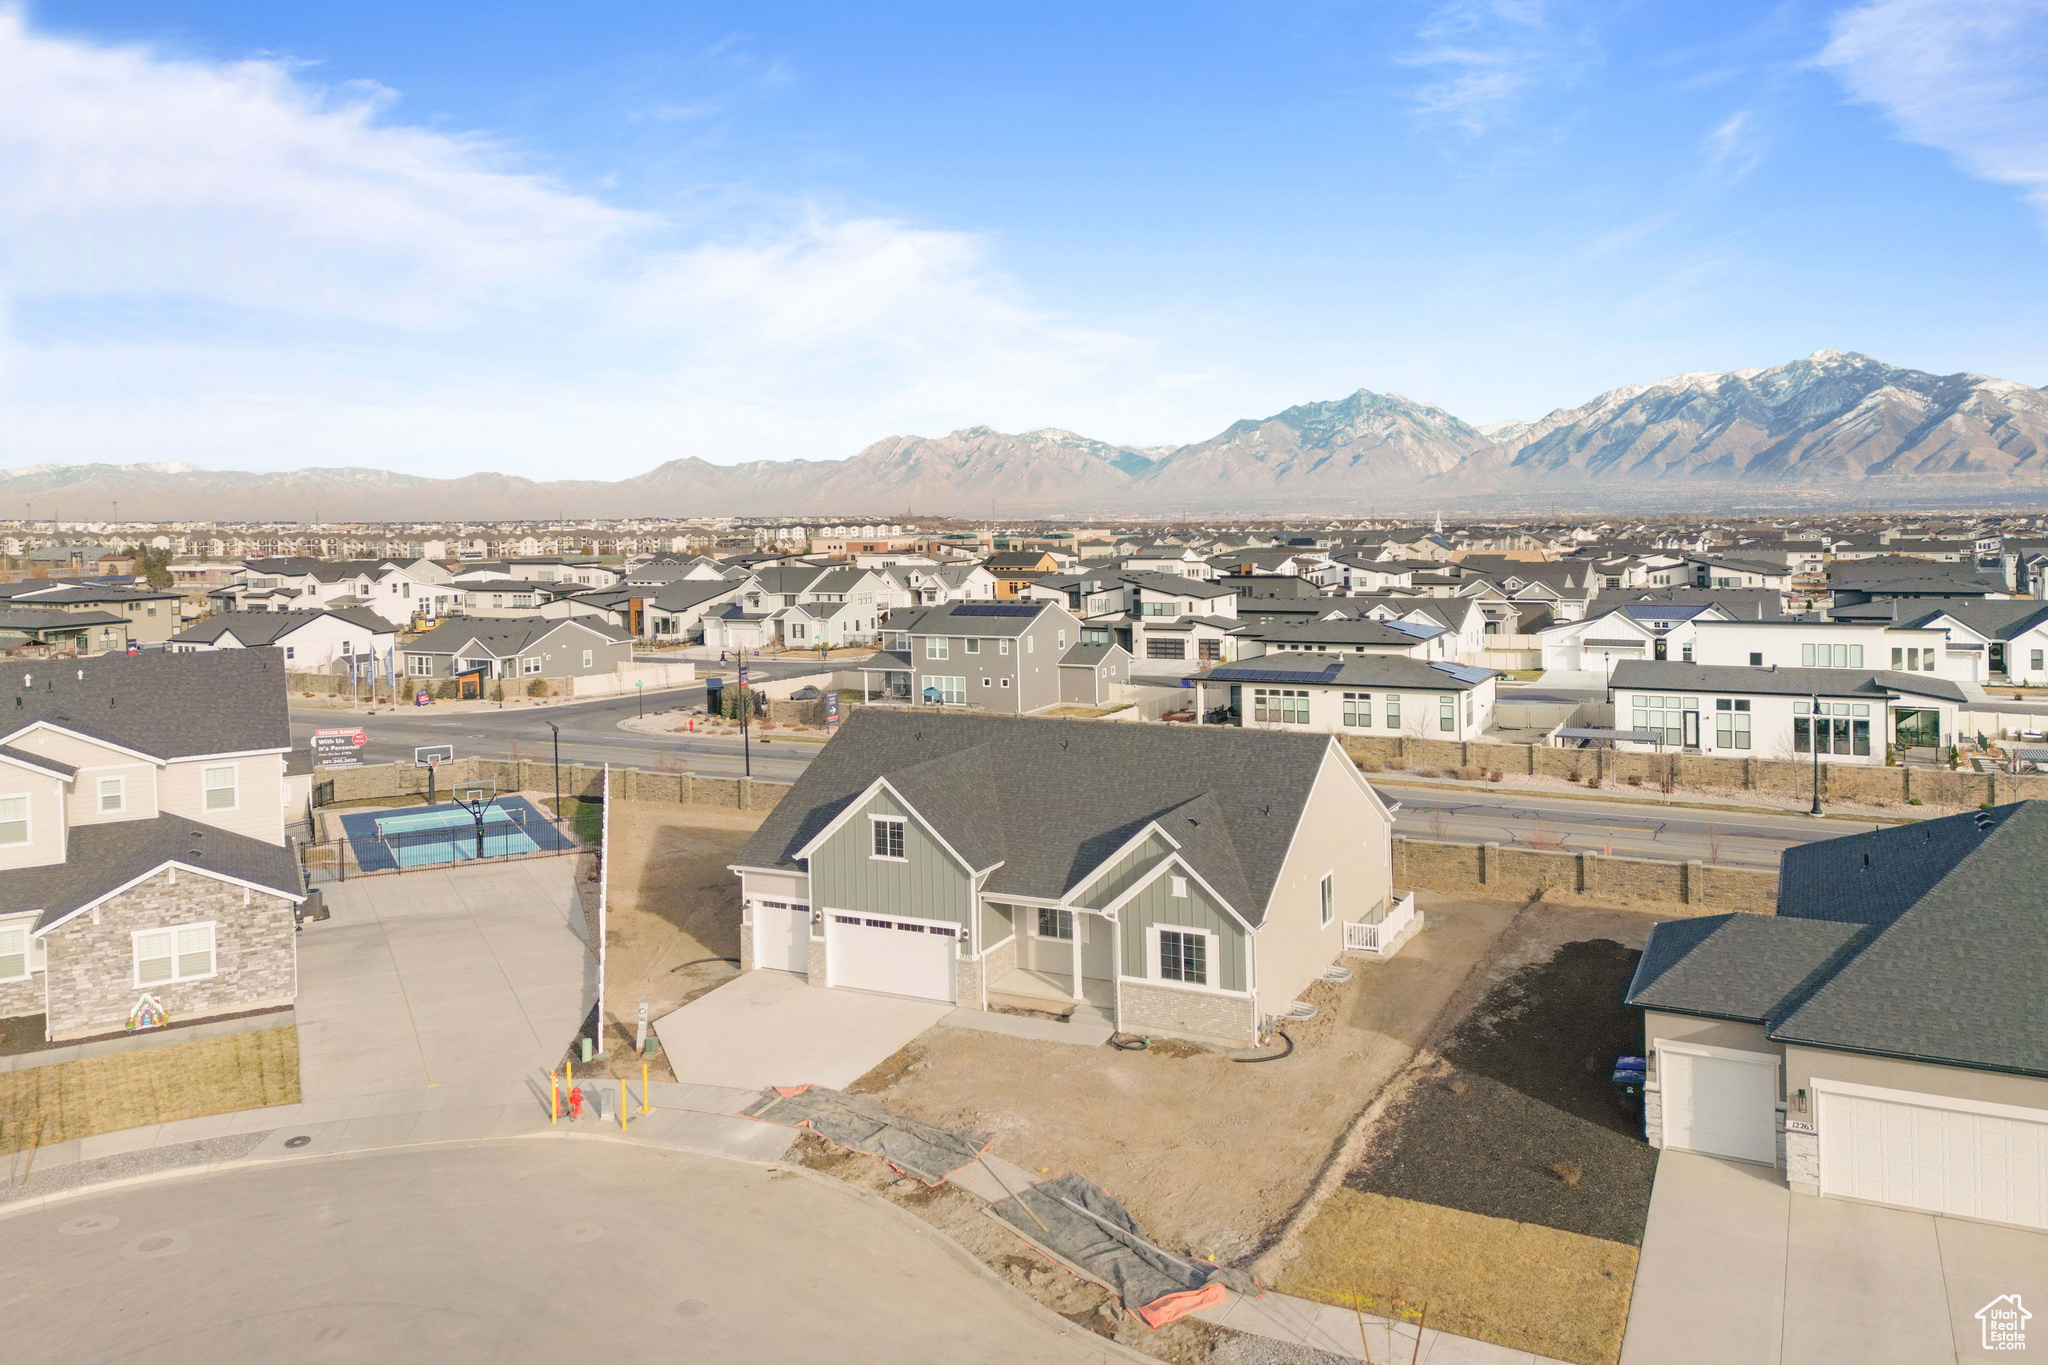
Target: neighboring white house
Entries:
(1806, 643)
(1359, 694)
(1770, 712)
(308, 639)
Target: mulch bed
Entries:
(1522, 1123)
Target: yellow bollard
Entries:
(622, 1104)
(643, 1089)
(554, 1098)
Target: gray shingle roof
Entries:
(1361, 670)
(105, 857)
(1940, 946)
(503, 639)
(158, 703)
(1051, 799)
(1088, 656)
(265, 627)
(1671, 675)
(970, 618)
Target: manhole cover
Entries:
(92, 1222)
(299, 1141)
(157, 1244)
(692, 1308)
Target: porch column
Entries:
(1080, 927)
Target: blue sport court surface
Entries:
(428, 836)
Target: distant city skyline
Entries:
(569, 244)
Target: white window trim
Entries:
(120, 806)
(1212, 962)
(135, 959)
(28, 818)
(205, 790)
(21, 927)
(902, 820)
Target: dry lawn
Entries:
(672, 911)
(1533, 1288)
(51, 1104)
(1210, 1155)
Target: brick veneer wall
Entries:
(1147, 1008)
(91, 960)
(21, 997)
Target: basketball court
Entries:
(446, 833)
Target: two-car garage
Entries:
(891, 954)
(1934, 1154)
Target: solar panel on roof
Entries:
(1274, 675)
(997, 609)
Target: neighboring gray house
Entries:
(505, 650)
(1190, 882)
(1094, 674)
(142, 844)
(993, 656)
(1882, 1037)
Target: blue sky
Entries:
(557, 240)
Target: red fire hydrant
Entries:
(575, 1101)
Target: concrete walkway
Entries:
(774, 1028)
(1737, 1267)
(461, 976)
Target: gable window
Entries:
(220, 788)
(181, 954)
(1358, 710)
(113, 794)
(937, 647)
(13, 819)
(889, 839)
(1329, 894)
(1055, 923)
(14, 953)
(1184, 956)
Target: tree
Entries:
(155, 566)
(498, 693)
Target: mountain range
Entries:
(1831, 427)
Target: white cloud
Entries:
(1735, 146)
(229, 264)
(1489, 55)
(1969, 77)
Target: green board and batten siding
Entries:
(1122, 874)
(928, 884)
(1157, 904)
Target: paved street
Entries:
(505, 1252)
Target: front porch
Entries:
(1051, 992)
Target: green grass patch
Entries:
(584, 815)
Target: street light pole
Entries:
(558, 772)
(1813, 742)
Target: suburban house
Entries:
(307, 639)
(2008, 637)
(1770, 712)
(151, 616)
(1357, 694)
(69, 632)
(143, 857)
(1153, 616)
(1094, 674)
(1344, 636)
(510, 650)
(399, 591)
(1170, 881)
(994, 656)
(1879, 1038)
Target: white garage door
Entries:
(1722, 1105)
(897, 956)
(782, 936)
(1920, 1155)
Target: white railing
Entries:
(1363, 937)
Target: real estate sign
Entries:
(338, 747)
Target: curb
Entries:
(1113, 1349)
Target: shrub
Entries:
(1496, 776)
(537, 688)
(1575, 776)
(1371, 765)
(497, 692)
(1912, 800)
(1593, 783)
(449, 690)
(1471, 772)
(1635, 779)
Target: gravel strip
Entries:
(125, 1165)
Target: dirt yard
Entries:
(1210, 1155)
(1504, 1147)
(673, 912)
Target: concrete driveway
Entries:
(1735, 1267)
(508, 1253)
(773, 1028)
(457, 976)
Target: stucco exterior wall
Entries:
(1806, 1065)
(91, 960)
(1343, 832)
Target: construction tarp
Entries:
(1074, 1221)
(922, 1150)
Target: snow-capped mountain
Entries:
(1834, 424)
